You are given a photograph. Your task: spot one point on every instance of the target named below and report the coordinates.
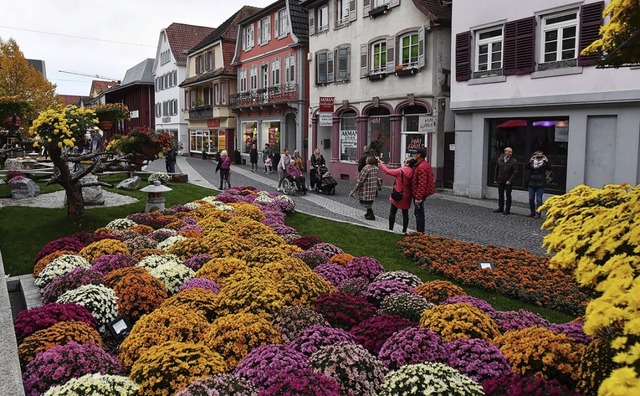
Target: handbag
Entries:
(397, 195)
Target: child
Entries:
(224, 166)
(267, 165)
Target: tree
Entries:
(619, 40)
(22, 82)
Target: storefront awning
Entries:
(513, 124)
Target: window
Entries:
(200, 64)
(378, 3)
(264, 30)
(378, 57)
(282, 23)
(342, 12)
(216, 94)
(174, 76)
(409, 49)
(264, 76)
(247, 43)
(348, 136)
(207, 96)
(158, 109)
(275, 72)
(323, 18)
(324, 67)
(165, 57)
(342, 63)
(290, 72)
(210, 61)
(253, 78)
(223, 93)
(489, 50)
(559, 37)
(379, 132)
(243, 80)
(174, 106)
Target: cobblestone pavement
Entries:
(461, 218)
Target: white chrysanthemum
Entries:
(60, 266)
(121, 224)
(286, 198)
(161, 176)
(429, 378)
(96, 385)
(192, 205)
(173, 275)
(100, 300)
(405, 277)
(167, 243)
(155, 260)
(218, 204)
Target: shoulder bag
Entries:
(397, 195)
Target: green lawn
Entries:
(25, 230)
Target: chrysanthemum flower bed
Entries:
(242, 304)
(517, 273)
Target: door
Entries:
(449, 159)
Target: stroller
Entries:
(294, 183)
(325, 184)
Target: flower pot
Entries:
(105, 125)
(150, 151)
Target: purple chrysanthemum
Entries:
(476, 302)
(333, 273)
(71, 280)
(572, 330)
(364, 267)
(517, 320)
(196, 261)
(377, 291)
(477, 359)
(202, 283)
(373, 332)
(302, 383)
(311, 339)
(265, 362)
(412, 345)
(110, 262)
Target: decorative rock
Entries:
(91, 195)
(12, 164)
(132, 183)
(24, 188)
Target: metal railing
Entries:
(201, 112)
(265, 96)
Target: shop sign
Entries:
(325, 119)
(426, 124)
(213, 123)
(273, 138)
(414, 141)
(326, 104)
(348, 139)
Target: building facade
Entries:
(272, 98)
(211, 79)
(379, 79)
(520, 81)
(169, 70)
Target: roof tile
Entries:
(183, 37)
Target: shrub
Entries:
(250, 295)
(156, 260)
(61, 363)
(121, 224)
(218, 269)
(438, 291)
(410, 346)
(173, 275)
(429, 379)
(162, 177)
(302, 383)
(71, 280)
(477, 359)
(307, 241)
(109, 262)
(536, 351)
(98, 299)
(292, 320)
(311, 339)
(105, 246)
(43, 262)
(235, 336)
(407, 305)
(364, 267)
(220, 384)
(372, 333)
(71, 244)
(34, 319)
(344, 310)
(203, 301)
(341, 259)
(202, 283)
(409, 279)
(162, 325)
(95, 384)
(378, 290)
(476, 302)
(302, 287)
(312, 258)
(114, 277)
(354, 369)
(355, 287)
(58, 334)
(328, 249)
(139, 294)
(333, 273)
(459, 320)
(520, 319)
(572, 330)
(60, 266)
(196, 261)
(263, 364)
(596, 364)
(167, 368)
(517, 385)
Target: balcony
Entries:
(261, 98)
(201, 112)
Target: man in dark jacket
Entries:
(422, 185)
(506, 171)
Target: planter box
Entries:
(379, 76)
(380, 10)
(406, 72)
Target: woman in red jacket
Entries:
(402, 183)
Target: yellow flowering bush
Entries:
(596, 233)
(246, 209)
(189, 247)
(459, 320)
(61, 127)
(437, 291)
(165, 369)
(537, 351)
(250, 295)
(245, 227)
(277, 270)
(198, 300)
(218, 269)
(212, 226)
(271, 240)
(230, 247)
(163, 324)
(303, 288)
(235, 335)
(263, 255)
(596, 364)
(104, 246)
(290, 249)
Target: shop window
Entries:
(379, 133)
(348, 137)
(249, 136)
(525, 136)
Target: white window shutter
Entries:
(276, 27)
(391, 52)
(366, 7)
(421, 49)
(259, 32)
(268, 28)
(330, 66)
(353, 5)
(364, 64)
(312, 23)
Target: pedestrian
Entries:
(506, 171)
(366, 153)
(537, 166)
(96, 144)
(367, 186)
(400, 197)
(422, 185)
(170, 160)
(253, 158)
(285, 159)
(224, 166)
(268, 165)
(317, 160)
(300, 180)
(267, 153)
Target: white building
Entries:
(169, 70)
(385, 64)
(520, 81)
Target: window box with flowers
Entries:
(376, 76)
(405, 70)
(141, 140)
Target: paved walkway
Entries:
(462, 218)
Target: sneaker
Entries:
(506, 212)
(537, 216)
(498, 211)
(278, 189)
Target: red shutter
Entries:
(519, 46)
(590, 21)
(463, 56)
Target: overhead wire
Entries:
(77, 37)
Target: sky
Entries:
(101, 38)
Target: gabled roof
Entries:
(299, 21)
(228, 30)
(183, 37)
(70, 99)
(98, 86)
(140, 73)
(434, 10)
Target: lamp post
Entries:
(155, 198)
